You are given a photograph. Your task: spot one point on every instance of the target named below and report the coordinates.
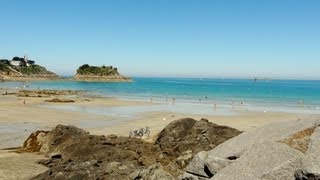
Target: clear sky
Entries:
(199, 38)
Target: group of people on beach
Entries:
(173, 100)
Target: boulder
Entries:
(196, 166)
(261, 159)
(188, 134)
(311, 160)
(154, 172)
(274, 151)
(271, 132)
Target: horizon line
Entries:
(219, 78)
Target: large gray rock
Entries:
(260, 160)
(202, 167)
(285, 171)
(260, 153)
(196, 167)
(271, 132)
(311, 160)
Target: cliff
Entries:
(99, 74)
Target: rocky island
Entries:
(99, 74)
(22, 69)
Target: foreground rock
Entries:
(285, 150)
(74, 154)
(186, 137)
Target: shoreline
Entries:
(109, 115)
(207, 95)
(222, 105)
(36, 79)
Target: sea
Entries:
(196, 95)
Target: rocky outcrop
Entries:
(188, 134)
(26, 73)
(73, 153)
(56, 100)
(103, 73)
(46, 93)
(101, 78)
(283, 150)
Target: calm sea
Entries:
(282, 95)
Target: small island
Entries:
(22, 69)
(103, 73)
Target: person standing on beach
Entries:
(173, 101)
(214, 105)
(24, 102)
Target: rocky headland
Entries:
(22, 72)
(103, 73)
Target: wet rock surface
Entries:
(189, 134)
(72, 153)
(60, 100)
(46, 93)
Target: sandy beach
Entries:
(19, 116)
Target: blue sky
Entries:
(199, 38)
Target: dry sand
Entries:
(18, 120)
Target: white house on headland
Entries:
(16, 61)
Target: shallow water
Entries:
(197, 95)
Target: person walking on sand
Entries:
(24, 102)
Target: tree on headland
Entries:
(16, 58)
(97, 70)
